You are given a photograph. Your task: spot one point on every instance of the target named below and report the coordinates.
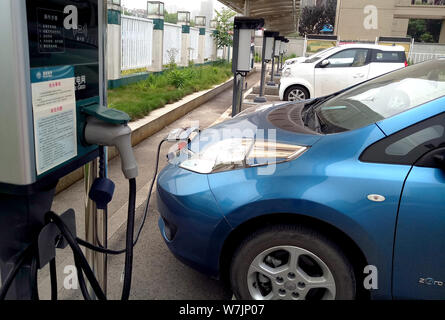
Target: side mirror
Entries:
(325, 63)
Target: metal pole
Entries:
(103, 218)
(278, 65)
(94, 227)
(240, 94)
(235, 93)
(272, 82)
(95, 222)
(261, 98)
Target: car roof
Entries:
(372, 46)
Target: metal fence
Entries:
(172, 43)
(421, 57)
(137, 39)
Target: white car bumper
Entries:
(284, 84)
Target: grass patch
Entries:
(138, 99)
(133, 71)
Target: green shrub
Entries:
(157, 90)
(178, 78)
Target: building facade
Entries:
(365, 20)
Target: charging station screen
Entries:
(66, 33)
(64, 59)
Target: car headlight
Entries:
(232, 154)
(287, 72)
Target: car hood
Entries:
(295, 60)
(280, 122)
(299, 69)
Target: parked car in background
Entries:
(339, 68)
(353, 183)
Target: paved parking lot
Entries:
(157, 274)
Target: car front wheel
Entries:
(296, 93)
(287, 262)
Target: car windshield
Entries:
(382, 97)
(317, 56)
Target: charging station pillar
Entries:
(243, 37)
(277, 53)
(53, 85)
(271, 83)
(261, 98)
(95, 229)
(267, 55)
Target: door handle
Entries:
(358, 75)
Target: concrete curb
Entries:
(153, 123)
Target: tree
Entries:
(314, 18)
(170, 17)
(128, 13)
(424, 30)
(224, 28)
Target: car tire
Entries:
(296, 93)
(258, 270)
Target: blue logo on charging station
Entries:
(51, 73)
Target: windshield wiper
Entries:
(310, 110)
(311, 113)
(318, 124)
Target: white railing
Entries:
(416, 57)
(172, 42)
(220, 53)
(137, 40)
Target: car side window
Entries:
(407, 146)
(349, 58)
(388, 56)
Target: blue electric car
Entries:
(339, 197)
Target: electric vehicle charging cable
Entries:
(20, 260)
(130, 244)
(102, 249)
(81, 263)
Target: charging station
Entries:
(243, 55)
(267, 56)
(53, 120)
(283, 51)
(274, 54)
(277, 53)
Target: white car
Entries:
(337, 69)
